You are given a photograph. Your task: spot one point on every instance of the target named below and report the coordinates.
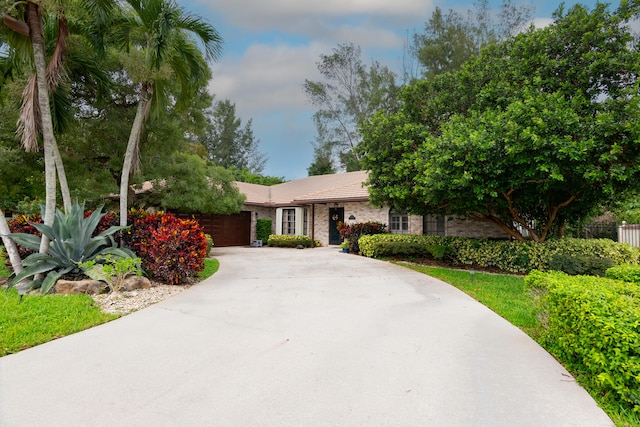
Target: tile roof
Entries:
(340, 187)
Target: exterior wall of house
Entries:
(363, 212)
(461, 227)
(261, 212)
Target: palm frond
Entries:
(29, 119)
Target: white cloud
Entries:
(266, 78)
(304, 15)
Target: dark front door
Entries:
(336, 215)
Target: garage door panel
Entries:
(226, 230)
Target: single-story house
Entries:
(314, 205)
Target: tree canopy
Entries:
(536, 132)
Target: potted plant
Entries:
(345, 246)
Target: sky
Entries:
(271, 47)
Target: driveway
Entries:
(287, 337)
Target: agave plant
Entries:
(72, 243)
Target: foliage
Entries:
(282, 241)
(30, 320)
(449, 40)
(24, 224)
(228, 143)
(112, 270)
(190, 185)
(348, 94)
(593, 326)
(558, 128)
(352, 232)
(580, 265)
(171, 249)
(244, 175)
(71, 242)
(209, 243)
(263, 229)
(509, 255)
(411, 249)
(625, 273)
(4, 270)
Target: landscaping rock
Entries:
(88, 286)
(135, 282)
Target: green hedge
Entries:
(593, 325)
(281, 241)
(625, 272)
(509, 255)
(263, 230)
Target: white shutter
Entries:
(279, 221)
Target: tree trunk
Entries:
(62, 178)
(34, 20)
(10, 245)
(132, 146)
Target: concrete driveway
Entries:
(286, 337)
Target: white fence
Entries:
(629, 233)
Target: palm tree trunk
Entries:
(132, 146)
(62, 178)
(10, 245)
(34, 19)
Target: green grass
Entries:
(507, 296)
(41, 318)
(210, 267)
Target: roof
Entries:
(341, 187)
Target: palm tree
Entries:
(161, 34)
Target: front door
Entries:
(336, 215)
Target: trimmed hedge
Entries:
(263, 230)
(282, 241)
(509, 255)
(593, 325)
(625, 272)
(353, 232)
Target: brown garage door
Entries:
(226, 230)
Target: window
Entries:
(292, 221)
(433, 225)
(398, 222)
(289, 222)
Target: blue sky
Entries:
(271, 47)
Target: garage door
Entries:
(226, 230)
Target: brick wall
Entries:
(461, 227)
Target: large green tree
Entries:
(229, 143)
(349, 93)
(161, 40)
(534, 133)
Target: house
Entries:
(314, 205)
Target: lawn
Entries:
(507, 296)
(41, 318)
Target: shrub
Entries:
(594, 255)
(72, 242)
(575, 265)
(352, 232)
(625, 272)
(263, 230)
(592, 324)
(24, 224)
(209, 243)
(171, 249)
(282, 241)
(112, 270)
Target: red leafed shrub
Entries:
(21, 224)
(171, 248)
(352, 232)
